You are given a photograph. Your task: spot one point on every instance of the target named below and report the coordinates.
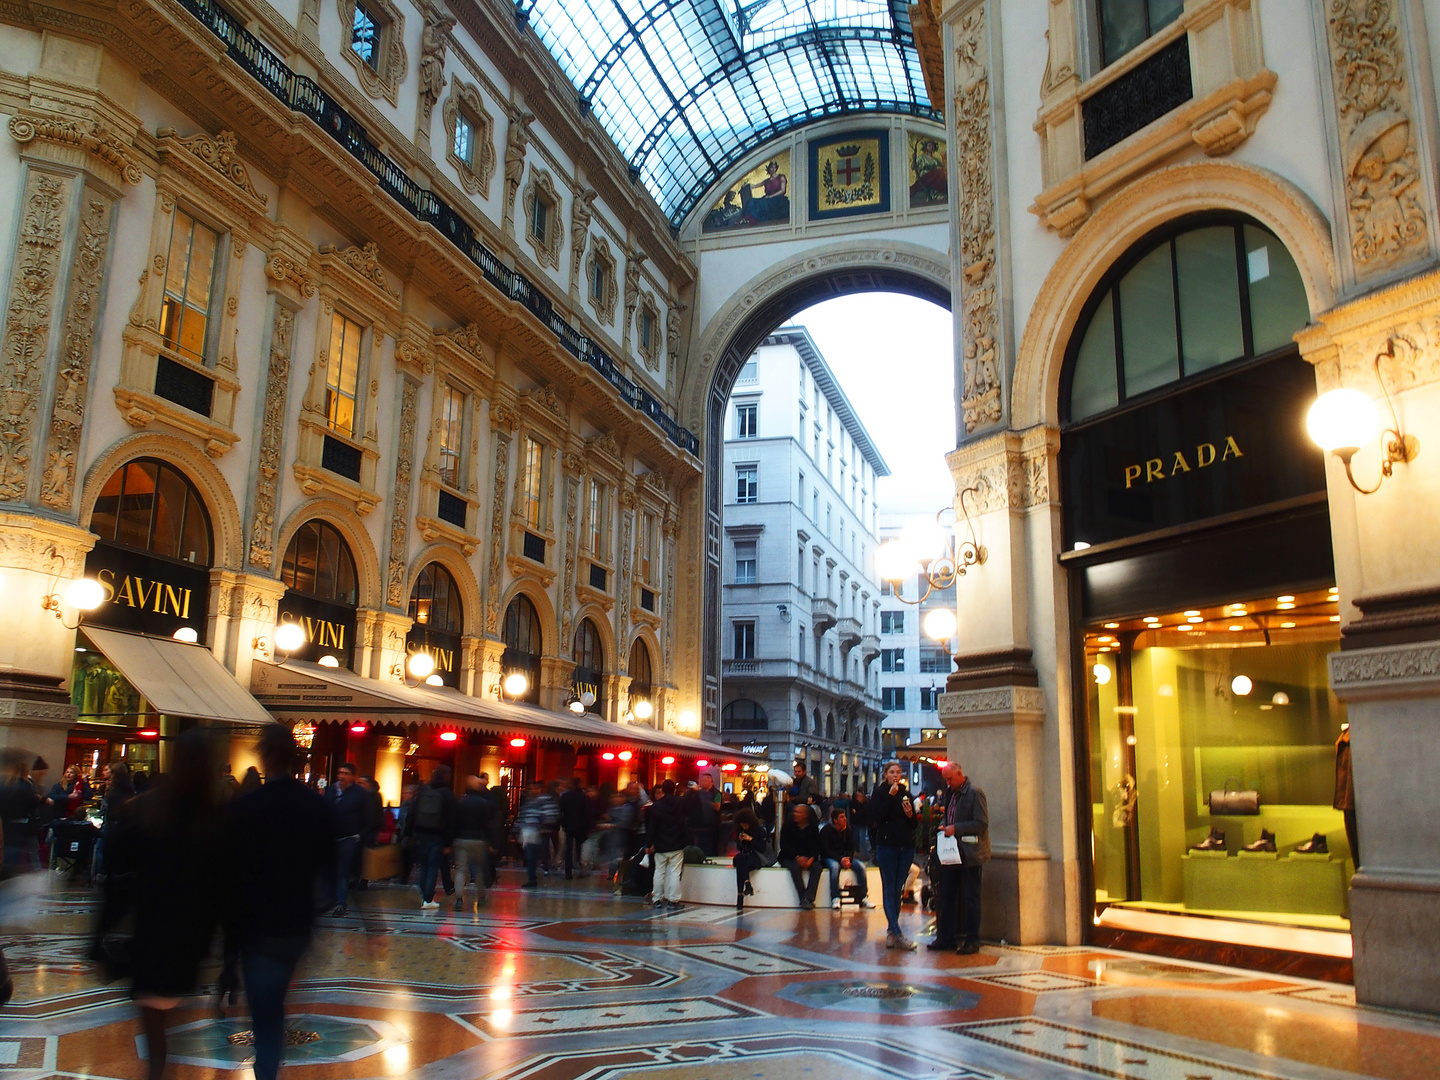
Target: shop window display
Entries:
(1213, 761)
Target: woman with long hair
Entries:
(892, 816)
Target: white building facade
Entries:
(801, 607)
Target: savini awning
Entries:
(300, 691)
(177, 678)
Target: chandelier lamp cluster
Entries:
(1345, 420)
(931, 551)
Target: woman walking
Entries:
(892, 817)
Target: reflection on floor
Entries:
(567, 981)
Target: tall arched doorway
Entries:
(439, 620)
(321, 593)
(524, 645)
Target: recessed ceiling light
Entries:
(1191, 614)
(1284, 607)
(1104, 648)
(1287, 626)
(1236, 626)
(1112, 626)
(1105, 637)
(1194, 619)
(1152, 618)
(1334, 618)
(1285, 599)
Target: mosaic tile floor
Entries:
(567, 982)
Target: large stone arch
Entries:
(455, 562)
(819, 273)
(652, 643)
(1149, 203)
(228, 538)
(550, 644)
(349, 525)
(601, 620)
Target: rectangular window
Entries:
(747, 483)
(452, 433)
(815, 506)
(598, 516)
(929, 699)
(892, 698)
(365, 37)
(647, 547)
(892, 622)
(464, 145)
(934, 661)
(747, 421)
(750, 372)
(887, 588)
(647, 330)
(599, 279)
(342, 374)
(744, 641)
(540, 219)
(744, 562)
(892, 659)
(800, 498)
(189, 286)
(1124, 24)
(532, 486)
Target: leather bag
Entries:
(1233, 802)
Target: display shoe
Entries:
(1265, 843)
(1316, 845)
(1214, 842)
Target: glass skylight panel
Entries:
(680, 111)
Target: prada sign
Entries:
(329, 628)
(146, 594)
(1231, 444)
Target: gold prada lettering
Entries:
(1205, 455)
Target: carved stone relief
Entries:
(572, 540)
(77, 339)
(262, 523)
(581, 212)
(366, 262)
(219, 153)
(383, 79)
(1383, 183)
(979, 281)
(517, 139)
(400, 499)
(634, 260)
(434, 41)
(27, 326)
(87, 135)
(497, 533)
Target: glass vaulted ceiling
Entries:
(688, 87)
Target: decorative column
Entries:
(380, 644)
(242, 619)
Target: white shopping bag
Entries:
(947, 850)
(645, 860)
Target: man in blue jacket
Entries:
(349, 806)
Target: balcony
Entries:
(869, 648)
(848, 630)
(823, 614)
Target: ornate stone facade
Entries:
(272, 434)
(400, 496)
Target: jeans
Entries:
(532, 860)
(267, 980)
(668, 866)
(471, 856)
(574, 846)
(806, 891)
(893, 864)
(346, 851)
(959, 889)
(429, 853)
(860, 883)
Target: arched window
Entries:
(815, 721)
(641, 674)
(435, 601)
(523, 644)
(152, 506)
(830, 725)
(318, 564)
(744, 715)
(589, 652)
(800, 717)
(1206, 293)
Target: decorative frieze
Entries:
(400, 498)
(495, 578)
(1008, 472)
(272, 431)
(1020, 703)
(1384, 672)
(89, 137)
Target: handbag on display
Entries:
(1232, 802)
(947, 850)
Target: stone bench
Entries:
(713, 882)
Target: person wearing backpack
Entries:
(432, 829)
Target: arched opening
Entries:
(642, 678)
(1195, 516)
(589, 675)
(439, 619)
(743, 714)
(524, 645)
(318, 571)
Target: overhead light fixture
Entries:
(729, 766)
(1079, 545)
(148, 733)
(625, 755)
(932, 551)
(1342, 421)
(186, 634)
(576, 706)
(1192, 613)
(1236, 626)
(1112, 626)
(1241, 685)
(642, 709)
(1195, 619)
(668, 759)
(449, 736)
(1287, 626)
(517, 743)
(1284, 607)
(1285, 599)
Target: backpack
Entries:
(429, 809)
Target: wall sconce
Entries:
(1342, 421)
(83, 594)
(514, 686)
(784, 610)
(897, 559)
(420, 666)
(577, 704)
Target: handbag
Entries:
(947, 850)
(1234, 802)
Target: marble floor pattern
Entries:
(568, 982)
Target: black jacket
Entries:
(575, 814)
(797, 840)
(446, 831)
(472, 817)
(280, 840)
(837, 844)
(349, 809)
(887, 816)
(665, 824)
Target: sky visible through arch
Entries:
(894, 357)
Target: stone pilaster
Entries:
(243, 609)
(380, 644)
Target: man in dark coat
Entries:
(665, 824)
(576, 818)
(349, 805)
(432, 830)
(963, 815)
(702, 813)
(280, 840)
(837, 845)
(800, 853)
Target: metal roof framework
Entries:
(687, 88)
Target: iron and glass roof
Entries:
(686, 88)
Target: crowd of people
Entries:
(193, 857)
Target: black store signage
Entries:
(146, 594)
(329, 628)
(585, 680)
(1232, 444)
(443, 648)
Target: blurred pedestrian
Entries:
(576, 819)
(251, 781)
(432, 829)
(164, 878)
(349, 805)
(666, 831)
(472, 841)
(19, 809)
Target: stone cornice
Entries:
(1396, 672)
(1016, 704)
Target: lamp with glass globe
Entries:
(1343, 421)
(931, 550)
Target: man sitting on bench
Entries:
(837, 845)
